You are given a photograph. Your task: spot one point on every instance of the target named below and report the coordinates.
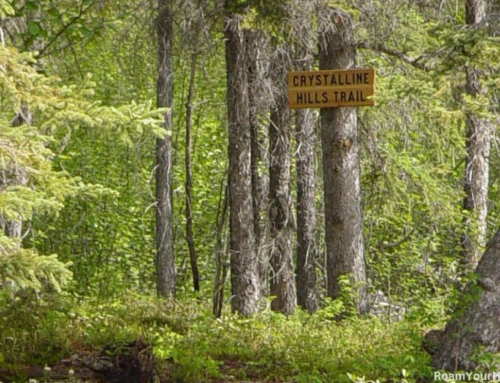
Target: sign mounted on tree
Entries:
(331, 88)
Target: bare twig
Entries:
(81, 12)
(415, 62)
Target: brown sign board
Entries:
(331, 88)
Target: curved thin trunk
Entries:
(193, 258)
(220, 257)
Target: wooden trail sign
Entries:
(331, 88)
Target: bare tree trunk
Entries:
(244, 276)
(307, 251)
(478, 153)
(341, 167)
(259, 105)
(165, 264)
(478, 325)
(193, 258)
(281, 204)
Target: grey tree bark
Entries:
(165, 265)
(478, 325)
(244, 275)
(307, 251)
(259, 106)
(281, 203)
(478, 152)
(341, 167)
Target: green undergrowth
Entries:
(192, 346)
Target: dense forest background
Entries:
(127, 129)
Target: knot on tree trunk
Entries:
(432, 340)
(487, 284)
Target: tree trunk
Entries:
(478, 325)
(244, 276)
(259, 105)
(307, 252)
(165, 264)
(281, 215)
(478, 153)
(476, 328)
(341, 168)
(193, 258)
(221, 264)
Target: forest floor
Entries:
(76, 369)
(109, 341)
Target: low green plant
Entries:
(193, 346)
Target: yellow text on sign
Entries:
(331, 88)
